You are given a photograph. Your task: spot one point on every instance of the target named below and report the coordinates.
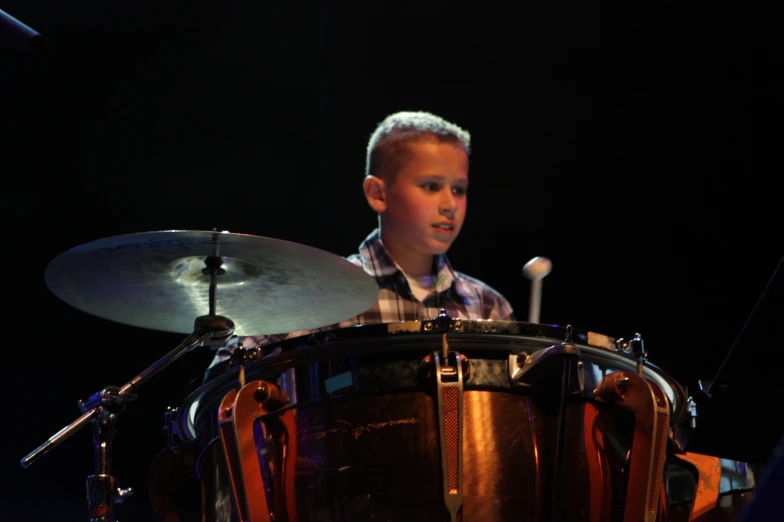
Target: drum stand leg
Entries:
(102, 490)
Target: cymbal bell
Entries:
(161, 281)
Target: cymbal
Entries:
(159, 280)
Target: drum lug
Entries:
(635, 348)
(240, 357)
(444, 324)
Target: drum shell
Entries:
(372, 447)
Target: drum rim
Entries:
(297, 351)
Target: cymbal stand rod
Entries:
(213, 281)
(57, 438)
(194, 340)
(214, 263)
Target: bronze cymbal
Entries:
(159, 280)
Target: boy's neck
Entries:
(415, 267)
(412, 264)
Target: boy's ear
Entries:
(375, 193)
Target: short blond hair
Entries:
(386, 149)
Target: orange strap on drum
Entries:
(238, 413)
(652, 423)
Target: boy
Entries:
(416, 179)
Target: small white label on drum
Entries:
(601, 341)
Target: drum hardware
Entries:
(102, 489)
(102, 409)
(175, 463)
(372, 451)
(237, 416)
(651, 410)
(240, 357)
(537, 370)
(448, 368)
(449, 391)
(636, 348)
(534, 369)
(158, 277)
(692, 412)
(428, 366)
(571, 366)
(442, 324)
(170, 426)
(681, 432)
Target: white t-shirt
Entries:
(421, 287)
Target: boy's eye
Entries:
(459, 191)
(431, 187)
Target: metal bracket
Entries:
(449, 390)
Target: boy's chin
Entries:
(440, 247)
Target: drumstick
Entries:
(535, 270)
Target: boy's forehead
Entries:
(435, 159)
(418, 153)
(433, 148)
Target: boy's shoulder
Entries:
(489, 302)
(477, 285)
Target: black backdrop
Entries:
(635, 146)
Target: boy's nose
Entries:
(448, 202)
(447, 211)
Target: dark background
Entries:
(636, 146)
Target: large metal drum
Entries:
(374, 433)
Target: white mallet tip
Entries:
(537, 268)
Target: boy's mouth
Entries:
(447, 227)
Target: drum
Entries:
(418, 421)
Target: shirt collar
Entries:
(378, 263)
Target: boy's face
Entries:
(426, 200)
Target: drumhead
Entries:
(481, 338)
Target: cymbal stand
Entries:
(103, 407)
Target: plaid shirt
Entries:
(460, 295)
